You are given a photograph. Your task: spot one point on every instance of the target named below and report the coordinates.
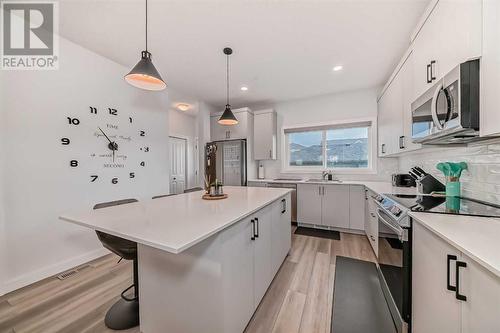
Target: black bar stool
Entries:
(124, 314)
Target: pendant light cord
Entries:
(227, 79)
(146, 25)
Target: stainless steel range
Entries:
(395, 239)
(394, 255)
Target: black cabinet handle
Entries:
(432, 70)
(402, 142)
(383, 148)
(284, 206)
(448, 260)
(457, 273)
(253, 229)
(429, 73)
(257, 227)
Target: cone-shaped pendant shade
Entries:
(228, 117)
(144, 75)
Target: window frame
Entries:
(359, 122)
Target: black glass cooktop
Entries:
(447, 205)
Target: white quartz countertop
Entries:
(476, 237)
(375, 186)
(177, 222)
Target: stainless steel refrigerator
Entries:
(226, 161)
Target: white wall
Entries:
(36, 180)
(327, 108)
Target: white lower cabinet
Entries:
(238, 275)
(263, 274)
(335, 206)
(357, 204)
(253, 250)
(281, 233)
(436, 308)
(371, 221)
(309, 203)
(482, 289)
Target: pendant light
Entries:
(144, 75)
(227, 117)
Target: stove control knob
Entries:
(396, 211)
(379, 198)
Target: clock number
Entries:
(65, 141)
(143, 163)
(130, 119)
(93, 109)
(114, 181)
(114, 112)
(93, 178)
(73, 121)
(142, 133)
(132, 175)
(73, 163)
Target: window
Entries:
(340, 147)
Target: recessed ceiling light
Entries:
(337, 68)
(182, 106)
(244, 88)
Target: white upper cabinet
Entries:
(450, 36)
(405, 142)
(240, 131)
(394, 113)
(265, 135)
(490, 69)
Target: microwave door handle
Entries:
(434, 101)
(398, 231)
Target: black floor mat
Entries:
(395, 243)
(359, 304)
(330, 234)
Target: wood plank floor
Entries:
(299, 299)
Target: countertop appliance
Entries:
(292, 186)
(403, 180)
(226, 161)
(449, 111)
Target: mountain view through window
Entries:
(330, 148)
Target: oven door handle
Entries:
(399, 231)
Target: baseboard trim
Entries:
(323, 227)
(46, 272)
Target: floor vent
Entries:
(71, 272)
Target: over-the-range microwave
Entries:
(449, 111)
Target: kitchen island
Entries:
(204, 265)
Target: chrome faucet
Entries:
(325, 174)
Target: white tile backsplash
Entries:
(482, 179)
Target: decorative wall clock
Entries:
(107, 143)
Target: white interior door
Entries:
(177, 165)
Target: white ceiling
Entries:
(282, 49)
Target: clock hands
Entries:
(112, 145)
